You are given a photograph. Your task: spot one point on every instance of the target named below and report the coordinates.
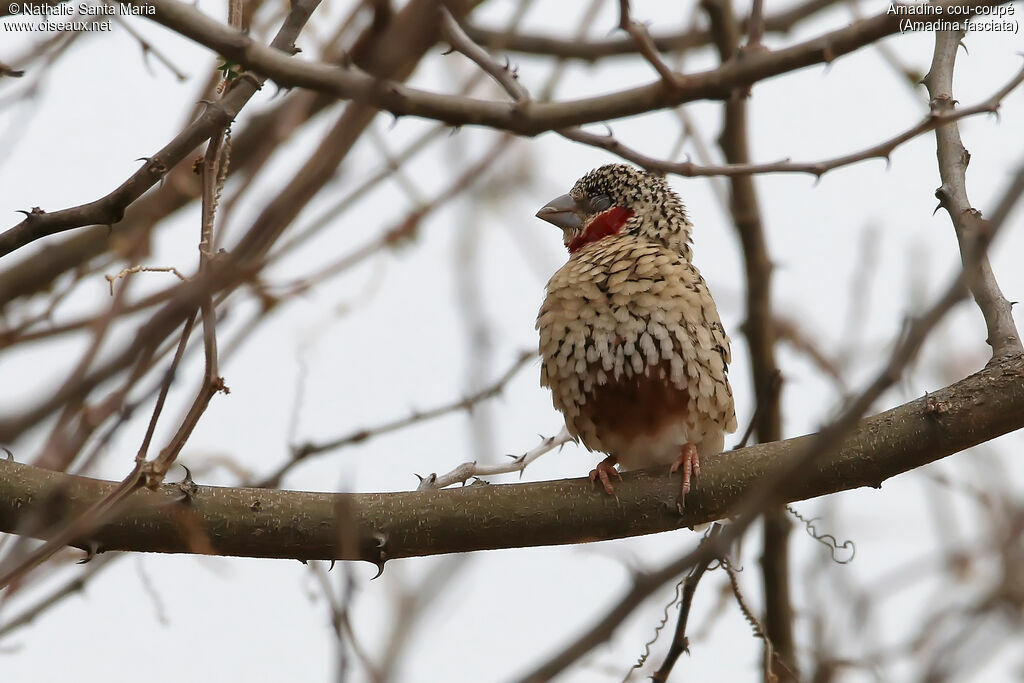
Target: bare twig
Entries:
(755, 28)
(755, 625)
(469, 470)
(505, 76)
(6, 70)
(881, 150)
(593, 50)
(111, 279)
(341, 622)
(680, 642)
(98, 512)
(952, 194)
(75, 585)
(306, 450)
(638, 32)
(149, 49)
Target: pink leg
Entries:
(604, 471)
(689, 461)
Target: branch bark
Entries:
(379, 526)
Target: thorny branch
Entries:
(881, 150)
(247, 522)
(351, 83)
(638, 32)
(110, 209)
(970, 228)
(361, 435)
(97, 513)
(470, 470)
(504, 76)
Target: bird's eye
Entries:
(601, 202)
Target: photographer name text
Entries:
(82, 9)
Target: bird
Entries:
(631, 343)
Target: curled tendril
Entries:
(657, 630)
(827, 540)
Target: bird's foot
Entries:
(604, 471)
(689, 462)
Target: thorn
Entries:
(380, 570)
(187, 487)
(332, 565)
(448, 52)
(36, 211)
(90, 552)
(937, 207)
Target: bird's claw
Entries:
(604, 471)
(689, 462)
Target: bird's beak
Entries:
(562, 212)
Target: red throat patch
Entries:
(603, 225)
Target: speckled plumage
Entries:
(632, 346)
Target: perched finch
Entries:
(633, 351)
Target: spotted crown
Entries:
(659, 213)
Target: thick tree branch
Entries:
(380, 526)
(591, 51)
(535, 117)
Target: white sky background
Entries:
(393, 335)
